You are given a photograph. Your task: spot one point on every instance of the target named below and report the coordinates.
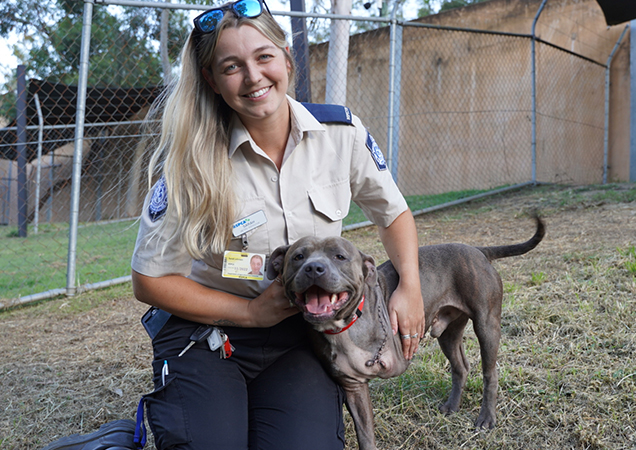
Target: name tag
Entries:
(243, 265)
(249, 223)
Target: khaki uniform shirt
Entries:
(326, 165)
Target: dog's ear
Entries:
(276, 262)
(368, 269)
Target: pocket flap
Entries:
(333, 200)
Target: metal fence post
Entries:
(395, 59)
(79, 142)
(22, 150)
(632, 75)
(38, 173)
(607, 99)
(301, 52)
(534, 92)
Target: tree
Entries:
(451, 4)
(124, 47)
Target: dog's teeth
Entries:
(334, 297)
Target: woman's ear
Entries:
(289, 67)
(210, 79)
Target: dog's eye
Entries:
(299, 257)
(340, 257)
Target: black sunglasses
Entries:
(207, 22)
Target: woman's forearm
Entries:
(401, 245)
(190, 300)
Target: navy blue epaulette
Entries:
(330, 113)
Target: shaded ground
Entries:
(567, 362)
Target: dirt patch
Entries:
(567, 359)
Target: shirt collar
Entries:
(302, 121)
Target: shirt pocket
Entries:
(331, 203)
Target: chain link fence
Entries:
(451, 108)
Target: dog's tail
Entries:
(505, 251)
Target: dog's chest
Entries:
(362, 364)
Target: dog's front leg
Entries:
(361, 409)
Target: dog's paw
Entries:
(486, 420)
(449, 407)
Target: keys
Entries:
(218, 340)
(225, 351)
(200, 334)
(215, 341)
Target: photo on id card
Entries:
(244, 266)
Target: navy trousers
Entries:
(271, 394)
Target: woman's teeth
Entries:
(258, 93)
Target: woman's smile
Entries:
(259, 93)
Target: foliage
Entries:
(451, 4)
(50, 43)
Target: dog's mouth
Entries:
(319, 305)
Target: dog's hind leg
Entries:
(451, 344)
(488, 333)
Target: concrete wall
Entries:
(465, 98)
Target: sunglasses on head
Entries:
(208, 21)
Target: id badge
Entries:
(243, 265)
(249, 223)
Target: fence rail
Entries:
(459, 112)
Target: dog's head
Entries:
(324, 278)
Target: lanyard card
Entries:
(242, 265)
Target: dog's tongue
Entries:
(318, 301)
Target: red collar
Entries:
(357, 314)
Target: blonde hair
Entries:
(192, 152)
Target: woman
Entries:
(245, 169)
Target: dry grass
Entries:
(567, 361)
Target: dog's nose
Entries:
(315, 269)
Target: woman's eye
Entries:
(230, 68)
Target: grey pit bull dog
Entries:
(344, 297)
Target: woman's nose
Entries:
(252, 74)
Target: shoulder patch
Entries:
(376, 153)
(330, 113)
(158, 201)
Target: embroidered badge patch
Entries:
(158, 201)
(378, 157)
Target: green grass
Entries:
(415, 202)
(629, 259)
(38, 262)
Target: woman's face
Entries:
(250, 73)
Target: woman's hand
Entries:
(271, 307)
(406, 312)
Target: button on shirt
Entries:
(325, 166)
